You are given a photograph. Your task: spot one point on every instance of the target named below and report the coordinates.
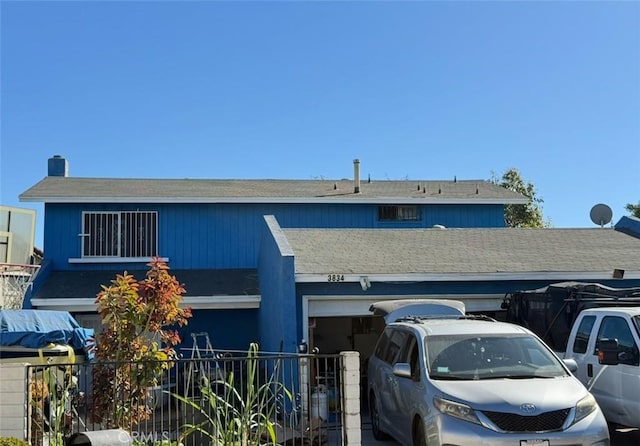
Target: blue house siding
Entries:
(278, 317)
(200, 236)
(429, 288)
(227, 329)
(465, 216)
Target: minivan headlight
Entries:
(584, 407)
(457, 410)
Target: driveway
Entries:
(619, 437)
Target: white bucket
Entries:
(319, 405)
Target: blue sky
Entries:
(293, 89)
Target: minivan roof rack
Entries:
(420, 319)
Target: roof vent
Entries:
(356, 176)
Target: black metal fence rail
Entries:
(226, 399)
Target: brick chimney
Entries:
(58, 167)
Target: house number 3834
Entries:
(335, 278)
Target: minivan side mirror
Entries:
(402, 369)
(608, 352)
(571, 364)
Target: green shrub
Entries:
(238, 417)
(12, 441)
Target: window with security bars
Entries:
(394, 213)
(120, 234)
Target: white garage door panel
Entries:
(328, 306)
(345, 307)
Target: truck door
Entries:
(580, 348)
(617, 388)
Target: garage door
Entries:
(327, 306)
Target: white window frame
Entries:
(119, 224)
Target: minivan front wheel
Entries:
(378, 434)
(419, 438)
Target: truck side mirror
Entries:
(608, 352)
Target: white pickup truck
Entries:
(605, 343)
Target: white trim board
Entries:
(97, 259)
(195, 302)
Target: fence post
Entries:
(351, 398)
(305, 388)
(15, 401)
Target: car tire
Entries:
(374, 413)
(419, 438)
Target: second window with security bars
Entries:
(120, 234)
(395, 213)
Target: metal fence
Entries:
(225, 399)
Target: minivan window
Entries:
(467, 357)
(381, 346)
(410, 355)
(582, 335)
(396, 342)
(389, 345)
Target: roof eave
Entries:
(469, 277)
(273, 200)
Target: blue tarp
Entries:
(39, 328)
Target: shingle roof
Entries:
(88, 190)
(210, 282)
(462, 251)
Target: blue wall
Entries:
(412, 288)
(278, 316)
(228, 329)
(202, 236)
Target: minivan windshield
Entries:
(479, 356)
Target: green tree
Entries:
(634, 209)
(527, 215)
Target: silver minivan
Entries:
(439, 377)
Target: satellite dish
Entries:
(601, 214)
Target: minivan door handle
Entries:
(589, 370)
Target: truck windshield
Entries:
(507, 356)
